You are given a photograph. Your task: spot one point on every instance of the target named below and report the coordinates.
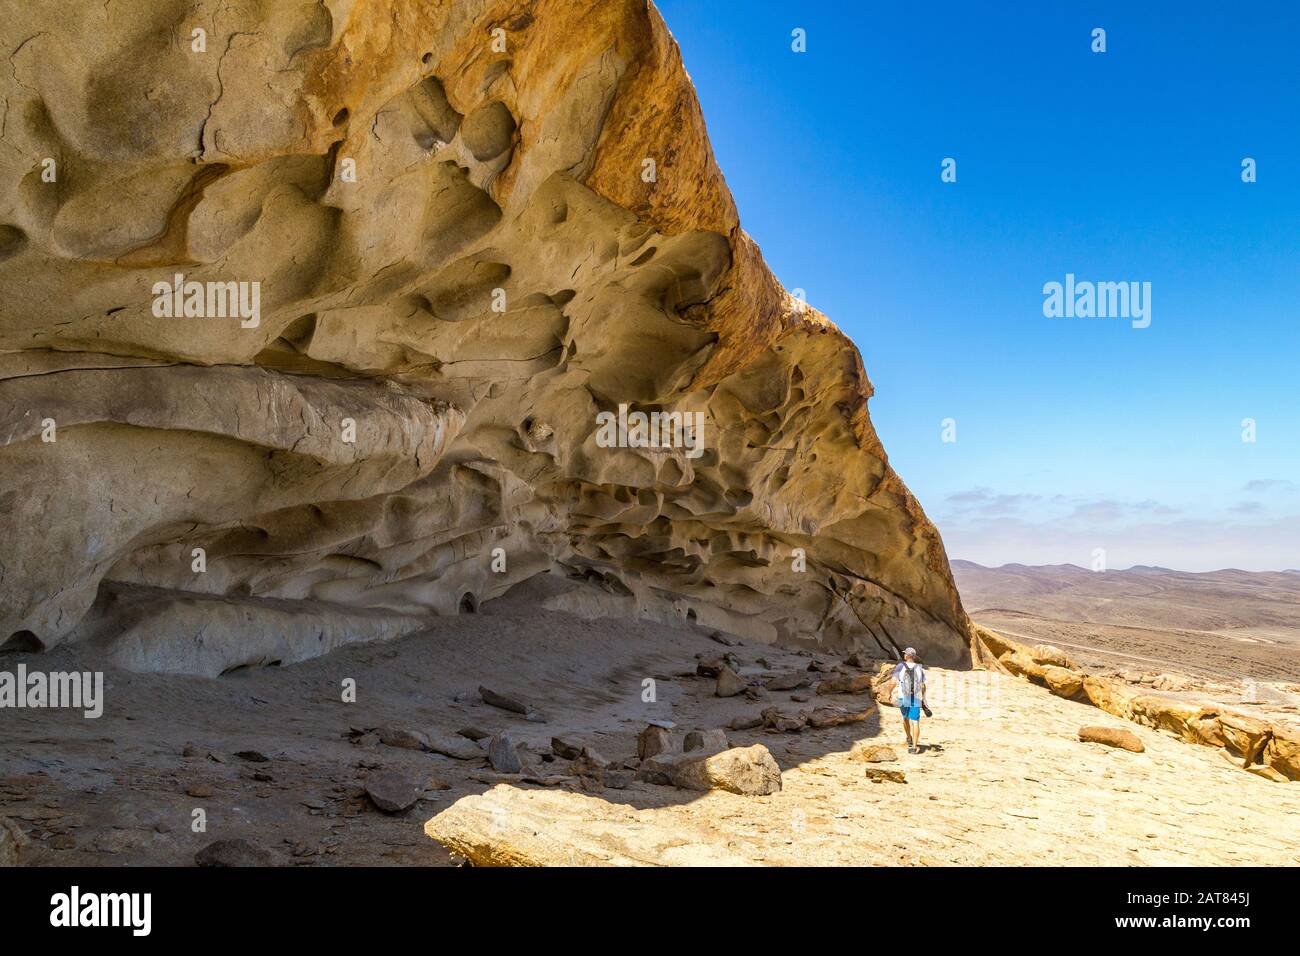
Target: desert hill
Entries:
(1227, 625)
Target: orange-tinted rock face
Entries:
(352, 307)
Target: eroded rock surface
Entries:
(1270, 748)
(452, 235)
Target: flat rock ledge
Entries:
(507, 826)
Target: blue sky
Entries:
(1073, 434)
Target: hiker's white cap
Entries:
(910, 650)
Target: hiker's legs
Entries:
(907, 729)
(916, 732)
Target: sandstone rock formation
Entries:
(1271, 750)
(311, 309)
(512, 827)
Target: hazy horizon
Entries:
(1133, 567)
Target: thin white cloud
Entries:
(994, 528)
(1269, 486)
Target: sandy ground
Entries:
(1008, 782)
(1004, 781)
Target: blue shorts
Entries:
(911, 711)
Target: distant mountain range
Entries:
(1227, 625)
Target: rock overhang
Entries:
(474, 231)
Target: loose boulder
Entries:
(403, 738)
(392, 791)
(872, 753)
(708, 665)
(456, 747)
(845, 684)
(510, 703)
(884, 775)
(790, 680)
(710, 740)
(565, 749)
(590, 766)
(729, 683)
(653, 740)
(1112, 737)
(660, 768)
(782, 721)
(751, 771)
(233, 853)
(503, 754)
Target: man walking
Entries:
(909, 678)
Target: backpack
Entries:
(908, 683)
